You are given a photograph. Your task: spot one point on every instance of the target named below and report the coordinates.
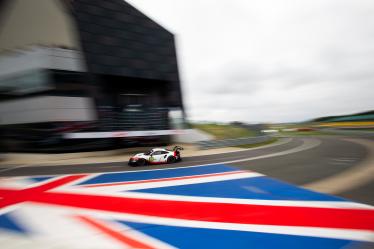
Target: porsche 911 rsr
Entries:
(157, 156)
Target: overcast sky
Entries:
(271, 60)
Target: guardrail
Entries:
(232, 142)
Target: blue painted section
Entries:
(182, 237)
(10, 224)
(263, 188)
(157, 174)
(41, 178)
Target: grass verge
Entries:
(224, 131)
(247, 146)
(305, 133)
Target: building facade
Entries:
(85, 70)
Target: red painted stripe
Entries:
(18, 196)
(4, 193)
(215, 212)
(120, 237)
(165, 179)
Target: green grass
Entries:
(305, 133)
(360, 129)
(224, 131)
(302, 133)
(247, 146)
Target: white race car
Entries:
(157, 156)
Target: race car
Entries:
(157, 156)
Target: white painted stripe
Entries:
(25, 183)
(138, 236)
(176, 182)
(54, 227)
(104, 184)
(10, 208)
(80, 180)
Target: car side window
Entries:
(157, 153)
(164, 152)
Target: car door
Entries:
(156, 157)
(164, 156)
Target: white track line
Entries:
(351, 178)
(308, 143)
(278, 143)
(281, 142)
(16, 167)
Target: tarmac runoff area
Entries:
(361, 174)
(336, 165)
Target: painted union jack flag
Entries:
(214, 206)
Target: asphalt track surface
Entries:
(298, 160)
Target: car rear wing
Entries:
(177, 148)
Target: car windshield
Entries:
(148, 153)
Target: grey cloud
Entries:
(271, 60)
(234, 78)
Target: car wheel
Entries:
(141, 162)
(171, 159)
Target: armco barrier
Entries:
(233, 142)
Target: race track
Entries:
(316, 163)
